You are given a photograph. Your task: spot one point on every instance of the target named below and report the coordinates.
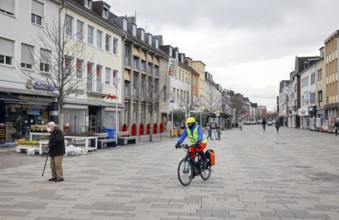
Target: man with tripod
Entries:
(56, 151)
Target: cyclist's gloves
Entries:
(177, 146)
(197, 144)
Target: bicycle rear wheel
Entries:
(205, 173)
(185, 172)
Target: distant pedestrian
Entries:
(208, 128)
(214, 128)
(56, 151)
(277, 125)
(336, 126)
(263, 122)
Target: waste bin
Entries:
(110, 132)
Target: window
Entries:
(37, 12)
(26, 56)
(156, 70)
(90, 31)
(115, 73)
(80, 30)
(108, 42)
(135, 62)
(320, 96)
(7, 7)
(88, 4)
(127, 53)
(115, 46)
(108, 76)
(6, 51)
(312, 78)
(150, 70)
(105, 12)
(68, 66)
(99, 36)
(126, 88)
(79, 68)
(135, 84)
(320, 77)
(312, 98)
(89, 76)
(45, 60)
(143, 65)
(68, 25)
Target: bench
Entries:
(103, 138)
(124, 136)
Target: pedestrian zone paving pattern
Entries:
(258, 175)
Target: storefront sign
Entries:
(43, 86)
(35, 98)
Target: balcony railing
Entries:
(100, 89)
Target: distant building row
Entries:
(310, 98)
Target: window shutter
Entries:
(26, 54)
(6, 47)
(7, 5)
(45, 56)
(37, 8)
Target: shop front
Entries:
(21, 114)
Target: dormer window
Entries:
(105, 12)
(170, 52)
(124, 24)
(88, 4)
(142, 36)
(134, 30)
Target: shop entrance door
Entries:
(94, 117)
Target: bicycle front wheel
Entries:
(185, 172)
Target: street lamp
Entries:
(172, 102)
(116, 83)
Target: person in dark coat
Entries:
(56, 151)
(263, 122)
(277, 125)
(336, 126)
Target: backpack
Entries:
(211, 157)
(213, 125)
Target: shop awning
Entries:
(9, 98)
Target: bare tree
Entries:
(238, 105)
(58, 62)
(153, 92)
(213, 100)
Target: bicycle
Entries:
(188, 167)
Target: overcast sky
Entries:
(247, 45)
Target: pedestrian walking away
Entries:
(56, 151)
(277, 125)
(336, 126)
(263, 122)
(214, 127)
(208, 131)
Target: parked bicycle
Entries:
(189, 168)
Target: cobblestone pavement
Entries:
(258, 175)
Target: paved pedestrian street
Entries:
(258, 175)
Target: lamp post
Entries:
(116, 83)
(172, 101)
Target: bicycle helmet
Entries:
(190, 120)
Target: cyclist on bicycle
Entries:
(196, 136)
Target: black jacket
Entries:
(56, 143)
